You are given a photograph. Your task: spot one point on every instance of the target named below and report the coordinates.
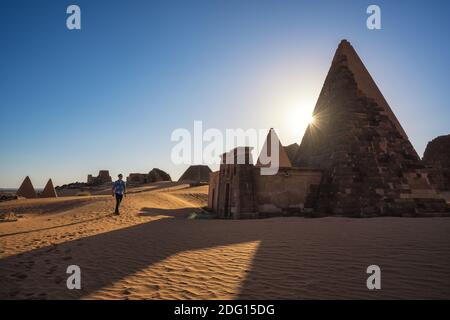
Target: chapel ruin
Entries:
(102, 178)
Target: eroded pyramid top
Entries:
(364, 80)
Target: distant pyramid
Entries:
(26, 189)
(370, 166)
(156, 175)
(196, 174)
(49, 190)
(283, 159)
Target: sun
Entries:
(299, 118)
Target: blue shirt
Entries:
(119, 187)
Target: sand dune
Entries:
(152, 251)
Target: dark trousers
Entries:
(119, 198)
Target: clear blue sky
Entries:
(110, 95)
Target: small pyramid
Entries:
(283, 159)
(26, 189)
(196, 174)
(49, 190)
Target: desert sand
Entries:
(153, 251)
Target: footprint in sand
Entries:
(154, 287)
(126, 292)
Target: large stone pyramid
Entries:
(26, 189)
(49, 190)
(370, 166)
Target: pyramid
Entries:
(369, 165)
(49, 190)
(196, 174)
(283, 159)
(156, 175)
(26, 189)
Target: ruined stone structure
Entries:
(355, 159)
(137, 178)
(103, 177)
(155, 175)
(49, 190)
(26, 189)
(239, 190)
(437, 159)
(196, 174)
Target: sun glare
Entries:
(299, 118)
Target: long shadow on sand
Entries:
(109, 257)
(285, 265)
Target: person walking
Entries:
(119, 191)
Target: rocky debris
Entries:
(73, 185)
(7, 196)
(8, 217)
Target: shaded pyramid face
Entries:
(49, 190)
(26, 189)
(356, 139)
